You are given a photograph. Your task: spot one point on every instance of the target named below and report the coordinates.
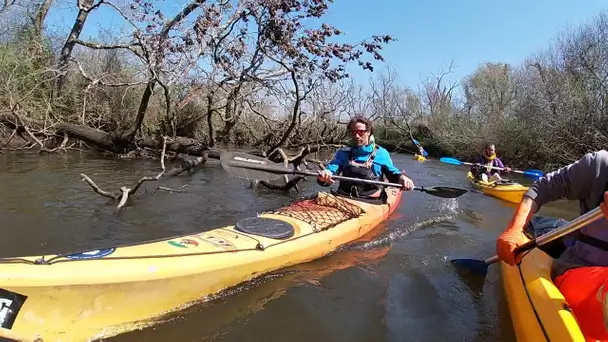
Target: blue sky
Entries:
(430, 33)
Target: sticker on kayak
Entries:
(94, 254)
(216, 241)
(183, 243)
(10, 304)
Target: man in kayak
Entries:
(365, 160)
(488, 159)
(580, 272)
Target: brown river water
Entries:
(394, 285)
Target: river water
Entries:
(393, 285)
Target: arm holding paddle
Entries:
(528, 172)
(579, 273)
(393, 174)
(333, 167)
(234, 162)
(505, 169)
(388, 169)
(572, 182)
(325, 179)
(514, 236)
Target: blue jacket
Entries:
(382, 164)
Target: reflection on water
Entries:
(395, 284)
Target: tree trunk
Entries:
(294, 117)
(41, 12)
(66, 52)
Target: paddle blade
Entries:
(533, 173)
(448, 160)
(228, 158)
(445, 191)
(476, 267)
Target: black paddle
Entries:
(480, 267)
(239, 160)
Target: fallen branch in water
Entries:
(125, 192)
(170, 189)
(297, 161)
(187, 165)
(292, 183)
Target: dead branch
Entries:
(27, 130)
(125, 192)
(131, 47)
(20, 124)
(97, 189)
(170, 189)
(292, 183)
(187, 164)
(100, 82)
(64, 142)
(296, 160)
(8, 140)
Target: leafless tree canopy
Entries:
(240, 71)
(273, 75)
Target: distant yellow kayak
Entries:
(102, 293)
(511, 192)
(419, 158)
(537, 308)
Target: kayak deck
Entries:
(512, 192)
(105, 292)
(538, 310)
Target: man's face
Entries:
(359, 134)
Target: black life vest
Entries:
(361, 171)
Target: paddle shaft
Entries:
(281, 170)
(494, 167)
(571, 226)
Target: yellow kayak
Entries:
(419, 158)
(102, 293)
(537, 308)
(511, 192)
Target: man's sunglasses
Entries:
(358, 131)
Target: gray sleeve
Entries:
(573, 182)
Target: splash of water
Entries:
(448, 209)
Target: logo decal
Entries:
(216, 241)
(94, 254)
(10, 304)
(183, 243)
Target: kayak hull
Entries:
(537, 308)
(107, 292)
(513, 193)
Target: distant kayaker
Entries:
(581, 271)
(421, 150)
(489, 159)
(365, 160)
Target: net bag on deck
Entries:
(322, 211)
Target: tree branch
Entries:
(125, 192)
